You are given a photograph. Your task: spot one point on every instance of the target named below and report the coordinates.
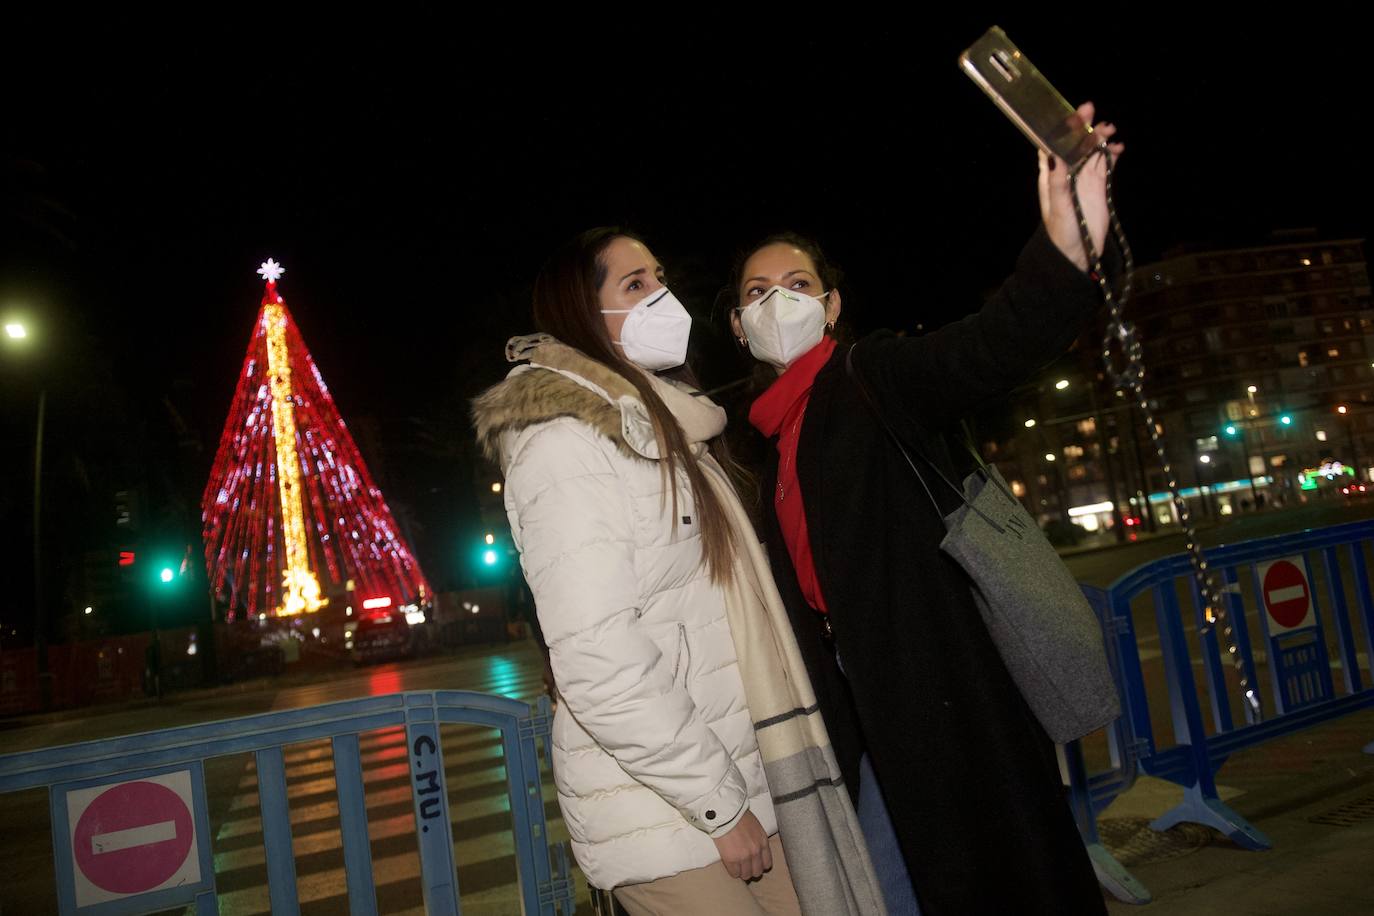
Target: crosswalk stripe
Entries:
(384, 746)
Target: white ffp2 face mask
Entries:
(783, 325)
(655, 333)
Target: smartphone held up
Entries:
(1028, 99)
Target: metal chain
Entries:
(1130, 378)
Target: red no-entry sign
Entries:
(1286, 595)
(133, 837)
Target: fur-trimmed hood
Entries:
(558, 381)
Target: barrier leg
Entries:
(1114, 877)
(1111, 874)
(1205, 808)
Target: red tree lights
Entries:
(292, 517)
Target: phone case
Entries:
(1027, 98)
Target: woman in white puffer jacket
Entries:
(655, 758)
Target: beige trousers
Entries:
(710, 891)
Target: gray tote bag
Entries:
(1043, 627)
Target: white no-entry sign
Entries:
(1286, 595)
(133, 837)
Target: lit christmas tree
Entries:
(291, 514)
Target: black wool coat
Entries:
(970, 778)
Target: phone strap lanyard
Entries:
(1120, 335)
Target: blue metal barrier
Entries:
(1301, 690)
(130, 823)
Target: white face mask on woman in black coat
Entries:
(783, 325)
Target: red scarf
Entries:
(779, 412)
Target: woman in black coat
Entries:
(923, 701)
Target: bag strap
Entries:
(896, 440)
(983, 465)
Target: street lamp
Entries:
(1108, 477)
(1205, 459)
(1350, 437)
(18, 331)
(1234, 431)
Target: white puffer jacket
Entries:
(654, 747)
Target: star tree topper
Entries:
(271, 271)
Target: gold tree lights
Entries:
(300, 588)
(290, 504)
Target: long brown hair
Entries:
(567, 305)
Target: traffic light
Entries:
(166, 570)
(488, 555)
(1286, 419)
(1232, 430)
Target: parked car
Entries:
(382, 637)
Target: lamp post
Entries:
(1204, 461)
(17, 334)
(1350, 437)
(1236, 431)
(1118, 525)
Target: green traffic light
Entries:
(1231, 430)
(1286, 420)
(167, 574)
(489, 558)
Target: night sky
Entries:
(412, 180)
